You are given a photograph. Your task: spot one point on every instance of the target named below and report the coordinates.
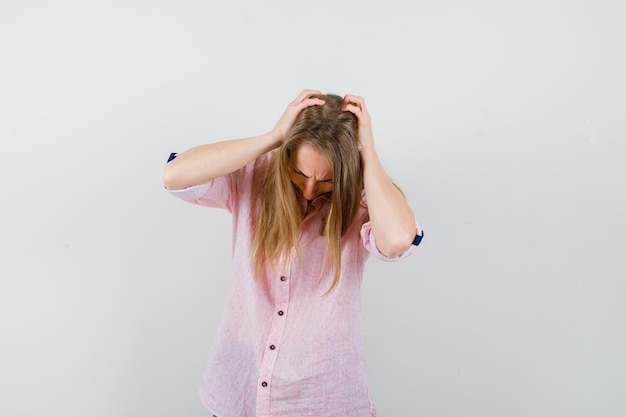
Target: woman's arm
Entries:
(201, 164)
(392, 220)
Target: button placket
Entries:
(281, 302)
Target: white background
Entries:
(503, 121)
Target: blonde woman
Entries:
(310, 202)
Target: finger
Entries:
(351, 98)
(354, 109)
(359, 102)
(305, 94)
(308, 102)
(356, 101)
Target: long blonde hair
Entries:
(278, 214)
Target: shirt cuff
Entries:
(370, 242)
(190, 193)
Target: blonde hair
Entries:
(278, 214)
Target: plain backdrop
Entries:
(503, 121)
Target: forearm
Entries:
(391, 217)
(201, 164)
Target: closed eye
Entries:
(300, 173)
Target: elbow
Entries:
(168, 177)
(395, 251)
(398, 244)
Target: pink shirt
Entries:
(281, 349)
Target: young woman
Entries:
(310, 202)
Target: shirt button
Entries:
(280, 313)
(283, 278)
(272, 347)
(264, 384)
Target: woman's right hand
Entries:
(288, 118)
(201, 164)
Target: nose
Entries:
(309, 190)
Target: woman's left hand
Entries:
(356, 105)
(391, 218)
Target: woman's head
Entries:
(320, 155)
(324, 141)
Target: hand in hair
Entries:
(305, 99)
(391, 218)
(356, 105)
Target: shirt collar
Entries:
(317, 203)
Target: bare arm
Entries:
(203, 163)
(391, 217)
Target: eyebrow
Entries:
(297, 171)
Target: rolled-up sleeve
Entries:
(216, 193)
(221, 192)
(369, 243)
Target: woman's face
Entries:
(310, 172)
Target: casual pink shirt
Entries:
(282, 349)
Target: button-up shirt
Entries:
(282, 349)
